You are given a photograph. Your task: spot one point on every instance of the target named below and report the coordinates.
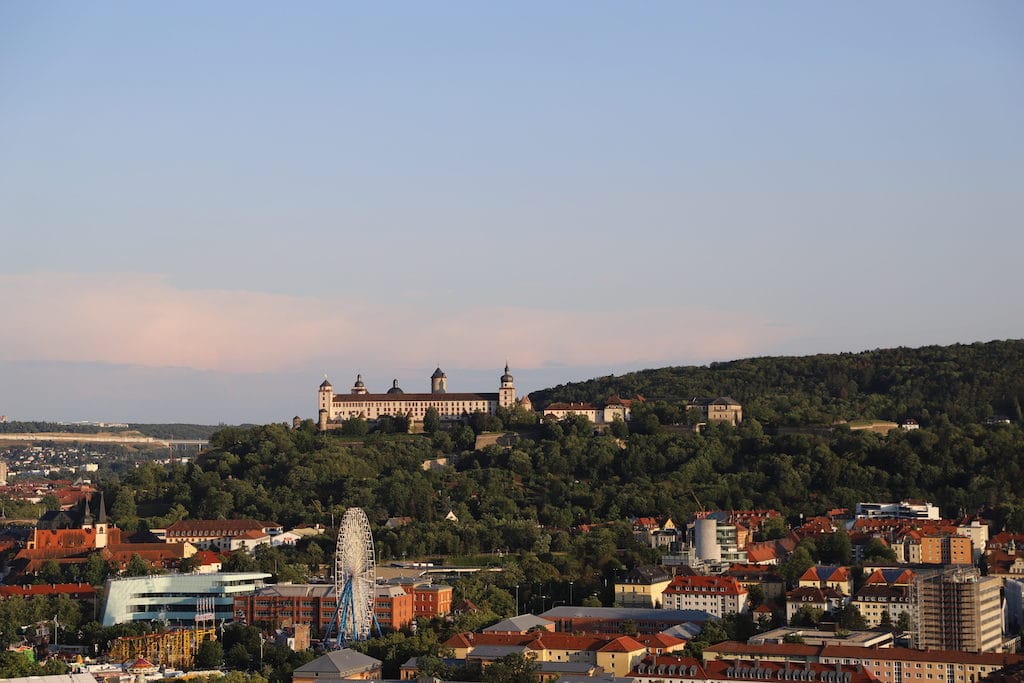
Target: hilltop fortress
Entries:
(333, 409)
(359, 402)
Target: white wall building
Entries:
(333, 408)
(906, 509)
(174, 597)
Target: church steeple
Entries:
(87, 513)
(101, 517)
(101, 525)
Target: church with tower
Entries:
(359, 402)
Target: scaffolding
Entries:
(175, 649)
(947, 614)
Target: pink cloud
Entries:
(141, 319)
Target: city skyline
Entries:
(207, 208)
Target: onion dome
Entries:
(359, 381)
(395, 388)
(506, 378)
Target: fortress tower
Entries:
(438, 382)
(324, 398)
(507, 392)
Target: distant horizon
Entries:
(377, 383)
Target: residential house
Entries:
(338, 666)
(675, 669)
(828, 600)
(887, 664)
(719, 596)
(885, 592)
(642, 586)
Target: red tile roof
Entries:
(723, 585)
(658, 640)
(622, 644)
(434, 398)
(902, 653)
(47, 589)
(216, 525)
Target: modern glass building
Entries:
(175, 598)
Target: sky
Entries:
(207, 207)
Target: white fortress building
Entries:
(359, 402)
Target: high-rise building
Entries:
(958, 609)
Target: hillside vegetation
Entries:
(157, 431)
(963, 382)
(560, 474)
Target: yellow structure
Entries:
(170, 648)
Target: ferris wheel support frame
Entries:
(354, 579)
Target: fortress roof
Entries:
(435, 398)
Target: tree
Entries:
(463, 438)
(431, 420)
(773, 528)
(714, 631)
(807, 616)
(210, 655)
(50, 572)
(512, 668)
(903, 622)
(239, 561)
(96, 570)
(796, 564)
(138, 567)
(190, 564)
(124, 510)
(237, 657)
(850, 618)
(877, 551)
(355, 426)
(481, 422)
(619, 428)
(835, 548)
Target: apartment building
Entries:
(716, 595)
(958, 609)
(887, 664)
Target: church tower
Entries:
(438, 382)
(507, 391)
(102, 527)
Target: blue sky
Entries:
(205, 207)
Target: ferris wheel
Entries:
(355, 576)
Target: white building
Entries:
(359, 402)
(906, 509)
(716, 595)
(174, 597)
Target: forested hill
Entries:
(964, 382)
(157, 431)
